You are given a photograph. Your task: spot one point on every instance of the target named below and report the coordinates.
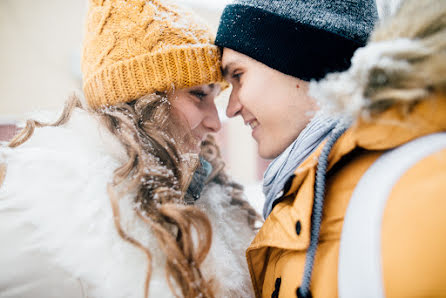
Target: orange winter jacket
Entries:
(414, 221)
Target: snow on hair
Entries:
(156, 170)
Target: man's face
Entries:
(276, 106)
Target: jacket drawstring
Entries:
(318, 205)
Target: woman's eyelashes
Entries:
(198, 94)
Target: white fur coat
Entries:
(57, 233)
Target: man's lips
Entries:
(253, 123)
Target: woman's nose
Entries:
(212, 121)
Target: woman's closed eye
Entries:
(198, 94)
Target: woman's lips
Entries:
(199, 138)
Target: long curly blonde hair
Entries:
(159, 173)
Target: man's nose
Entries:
(234, 106)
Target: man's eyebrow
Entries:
(225, 70)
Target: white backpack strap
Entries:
(359, 270)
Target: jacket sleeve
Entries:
(25, 272)
(413, 232)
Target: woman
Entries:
(104, 202)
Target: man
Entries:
(271, 50)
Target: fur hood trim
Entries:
(404, 62)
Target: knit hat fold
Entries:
(134, 47)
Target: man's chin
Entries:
(269, 152)
(266, 154)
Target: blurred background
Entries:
(40, 47)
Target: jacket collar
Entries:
(390, 129)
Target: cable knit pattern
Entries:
(135, 47)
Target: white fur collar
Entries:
(58, 180)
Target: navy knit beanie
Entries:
(303, 38)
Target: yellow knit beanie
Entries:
(136, 47)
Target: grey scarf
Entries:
(283, 166)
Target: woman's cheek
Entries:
(192, 114)
(196, 117)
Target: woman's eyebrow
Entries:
(205, 88)
(211, 86)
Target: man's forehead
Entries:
(231, 57)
